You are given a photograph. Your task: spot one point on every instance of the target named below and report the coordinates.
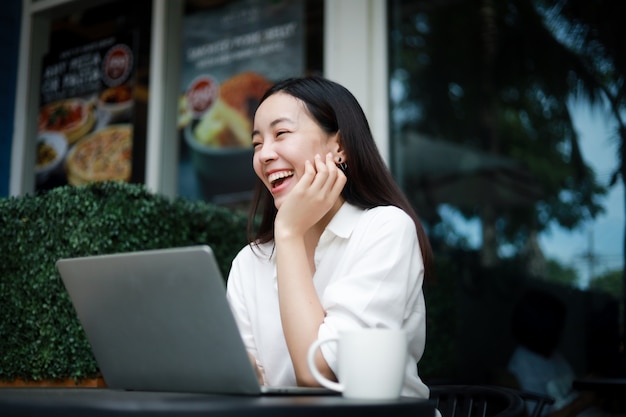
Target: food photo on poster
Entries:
(232, 53)
(85, 131)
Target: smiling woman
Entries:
(284, 138)
(338, 246)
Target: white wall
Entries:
(355, 55)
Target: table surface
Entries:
(69, 402)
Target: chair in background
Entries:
(535, 402)
(476, 401)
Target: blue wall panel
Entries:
(10, 15)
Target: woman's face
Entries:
(284, 137)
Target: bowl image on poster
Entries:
(219, 140)
(115, 104)
(221, 150)
(51, 149)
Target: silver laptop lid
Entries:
(159, 320)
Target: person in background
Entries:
(337, 245)
(536, 364)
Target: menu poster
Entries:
(232, 53)
(86, 104)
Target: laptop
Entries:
(159, 320)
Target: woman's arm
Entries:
(300, 308)
(296, 236)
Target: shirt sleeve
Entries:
(236, 295)
(379, 283)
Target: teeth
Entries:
(279, 175)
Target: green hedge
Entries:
(40, 336)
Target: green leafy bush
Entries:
(40, 336)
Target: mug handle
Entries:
(310, 359)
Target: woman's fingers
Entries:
(309, 174)
(326, 174)
(315, 193)
(257, 369)
(336, 177)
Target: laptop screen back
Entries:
(159, 320)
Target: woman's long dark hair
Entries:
(370, 183)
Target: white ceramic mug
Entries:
(371, 363)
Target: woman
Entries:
(338, 245)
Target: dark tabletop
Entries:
(99, 402)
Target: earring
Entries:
(342, 165)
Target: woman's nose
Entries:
(266, 153)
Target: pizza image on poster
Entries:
(104, 155)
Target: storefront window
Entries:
(232, 52)
(507, 152)
(93, 97)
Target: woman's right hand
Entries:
(257, 369)
(312, 197)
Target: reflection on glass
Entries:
(507, 145)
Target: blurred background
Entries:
(502, 120)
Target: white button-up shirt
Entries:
(369, 273)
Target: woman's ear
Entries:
(337, 148)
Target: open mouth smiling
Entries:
(277, 178)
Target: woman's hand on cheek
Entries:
(328, 182)
(313, 196)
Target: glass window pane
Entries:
(93, 96)
(232, 52)
(507, 150)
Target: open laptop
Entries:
(159, 320)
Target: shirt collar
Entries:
(341, 225)
(344, 221)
